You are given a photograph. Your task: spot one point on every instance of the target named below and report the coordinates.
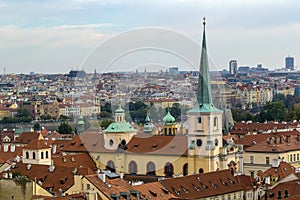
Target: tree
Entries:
(22, 112)
(241, 115)
(105, 123)
(272, 111)
(65, 128)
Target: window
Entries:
(252, 174)
(111, 166)
(215, 121)
(201, 171)
(192, 144)
(267, 160)
(111, 142)
(294, 157)
(185, 169)
(132, 167)
(33, 155)
(169, 170)
(291, 158)
(249, 195)
(150, 169)
(47, 154)
(228, 197)
(27, 155)
(251, 159)
(88, 186)
(42, 155)
(223, 197)
(199, 142)
(234, 196)
(297, 156)
(199, 120)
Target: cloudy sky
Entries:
(51, 36)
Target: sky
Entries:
(50, 36)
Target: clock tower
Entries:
(205, 123)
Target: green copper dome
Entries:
(80, 120)
(169, 119)
(119, 110)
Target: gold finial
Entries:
(204, 21)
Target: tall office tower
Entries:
(232, 67)
(289, 63)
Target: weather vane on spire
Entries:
(204, 21)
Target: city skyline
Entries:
(54, 37)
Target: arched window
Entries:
(111, 166)
(215, 121)
(33, 155)
(150, 169)
(201, 171)
(27, 155)
(42, 155)
(169, 170)
(47, 156)
(185, 169)
(132, 167)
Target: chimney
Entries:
(281, 139)
(12, 148)
(279, 195)
(5, 148)
(277, 140)
(286, 194)
(288, 138)
(266, 195)
(102, 177)
(53, 149)
(51, 167)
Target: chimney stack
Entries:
(288, 138)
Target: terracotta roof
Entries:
(61, 178)
(26, 137)
(75, 145)
(292, 188)
(284, 169)
(80, 196)
(279, 143)
(250, 140)
(158, 144)
(75, 160)
(37, 144)
(8, 156)
(114, 186)
(94, 142)
(242, 128)
(153, 191)
(203, 185)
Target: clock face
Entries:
(216, 142)
(199, 142)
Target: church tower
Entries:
(205, 123)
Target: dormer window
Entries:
(33, 155)
(199, 120)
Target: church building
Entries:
(121, 149)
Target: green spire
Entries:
(203, 90)
(147, 120)
(204, 101)
(169, 119)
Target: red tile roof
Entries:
(26, 137)
(158, 144)
(284, 169)
(75, 145)
(203, 185)
(153, 191)
(61, 178)
(75, 160)
(37, 144)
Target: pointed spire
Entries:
(203, 90)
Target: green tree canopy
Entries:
(65, 128)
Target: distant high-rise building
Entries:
(289, 63)
(173, 70)
(232, 67)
